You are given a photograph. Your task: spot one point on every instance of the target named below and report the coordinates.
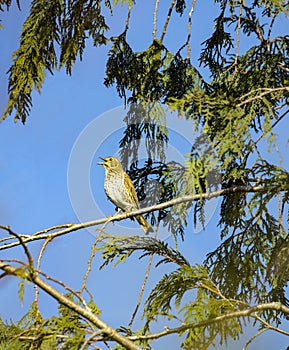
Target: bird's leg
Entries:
(110, 217)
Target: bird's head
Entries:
(110, 163)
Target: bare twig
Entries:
(70, 290)
(92, 254)
(238, 34)
(189, 29)
(264, 93)
(143, 285)
(269, 326)
(254, 337)
(167, 20)
(38, 268)
(187, 43)
(88, 340)
(270, 30)
(283, 67)
(273, 125)
(53, 228)
(128, 16)
(21, 242)
(155, 19)
(83, 287)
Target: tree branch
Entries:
(167, 20)
(155, 19)
(264, 93)
(189, 198)
(242, 313)
(105, 329)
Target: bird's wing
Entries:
(131, 189)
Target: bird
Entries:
(120, 190)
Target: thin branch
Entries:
(270, 30)
(128, 16)
(273, 125)
(87, 313)
(143, 286)
(254, 337)
(21, 242)
(188, 198)
(238, 35)
(269, 326)
(266, 92)
(38, 268)
(189, 29)
(242, 313)
(88, 340)
(70, 290)
(92, 254)
(187, 43)
(53, 228)
(283, 67)
(155, 19)
(167, 20)
(88, 269)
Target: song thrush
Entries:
(120, 190)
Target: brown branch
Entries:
(36, 297)
(167, 20)
(155, 19)
(92, 254)
(269, 326)
(270, 30)
(70, 290)
(128, 16)
(188, 198)
(85, 312)
(238, 34)
(242, 313)
(261, 331)
(264, 93)
(273, 125)
(22, 243)
(143, 285)
(187, 43)
(88, 269)
(189, 29)
(53, 228)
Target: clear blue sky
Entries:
(34, 163)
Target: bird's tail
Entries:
(144, 224)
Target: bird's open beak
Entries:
(102, 163)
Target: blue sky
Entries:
(34, 163)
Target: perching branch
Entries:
(75, 227)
